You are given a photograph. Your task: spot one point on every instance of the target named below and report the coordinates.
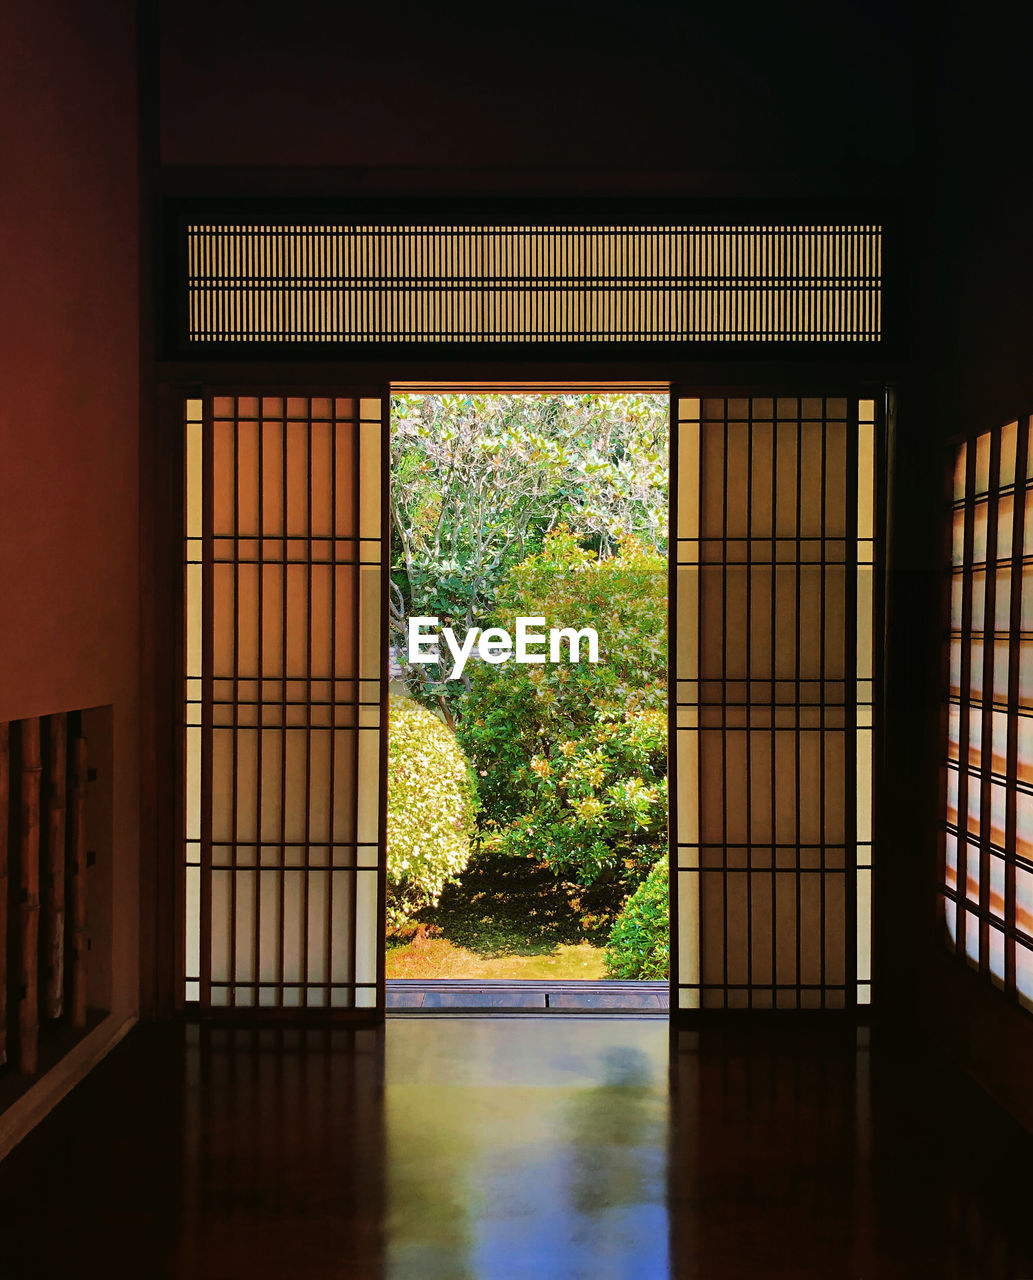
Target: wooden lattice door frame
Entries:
(316, 703)
(724, 721)
(255, 287)
(295, 387)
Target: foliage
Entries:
(430, 809)
(639, 945)
(572, 758)
(476, 483)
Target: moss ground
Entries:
(431, 957)
(507, 919)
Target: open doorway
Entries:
(527, 760)
(773, 679)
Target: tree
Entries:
(478, 481)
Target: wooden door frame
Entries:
(162, 626)
(884, 396)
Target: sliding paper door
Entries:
(772, 735)
(285, 701)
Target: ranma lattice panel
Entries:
(336, 283)
(285, 701)
(773, 737)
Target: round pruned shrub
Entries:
(639, 945)
(430, 809)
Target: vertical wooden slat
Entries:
(1018, 552)
(385, 677)
(539, 283)
(5, 813)
(285, 737)
(850, 666)
(307, 877)
(965, 698)
(356, 630)
(54, 881)
(208, 688)
(28, 907)
(987, 707)
(77, 878)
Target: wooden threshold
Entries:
(537, 995)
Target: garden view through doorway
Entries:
(527, 761)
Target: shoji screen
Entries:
(772, 744)
(285, 751)
(986, 895)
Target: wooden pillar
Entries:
(28, 950)
(5, 817)
(54, 881)
(77, 877)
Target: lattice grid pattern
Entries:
(470, 284)
(987, 847)
(284, 699)
(775, 537)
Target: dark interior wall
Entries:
(983, 311)
(661, 85)
(976, 361)
(69, 633)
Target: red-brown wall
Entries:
(69, 632)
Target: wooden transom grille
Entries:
(285, 735)
(772, 743)
(532, 284)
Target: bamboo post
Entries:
(54, 883)
(5, 817)
(77, 876)
(28, 908)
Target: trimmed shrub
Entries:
(430, 809)
(572, 759)
(639, 945)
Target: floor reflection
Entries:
(586, 1147)
(526, 1147)
(820, 1153)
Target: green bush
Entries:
(639, 945)
(430, 809)
(572, 759)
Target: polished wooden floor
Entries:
(507, 1146)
